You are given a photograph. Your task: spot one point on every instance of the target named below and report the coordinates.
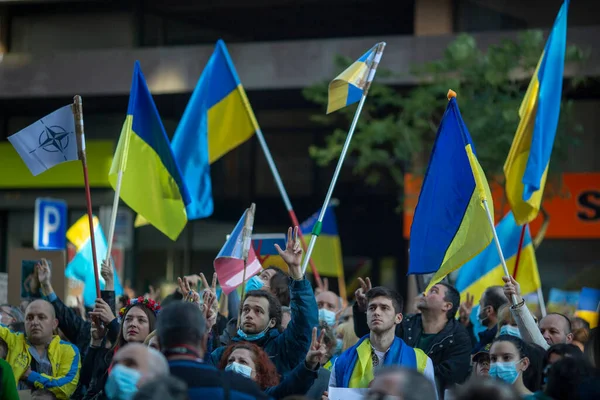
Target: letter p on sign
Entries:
(50, 226)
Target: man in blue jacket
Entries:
(261, 316)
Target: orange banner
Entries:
(574, 213)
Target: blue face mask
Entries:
(327, 316)
(339, 344)
(122, 383)
(254, 283)
(252, 337)
(505, 371)
(243, 370)
(510, 330)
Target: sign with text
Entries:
(50, 224)
(574, 210)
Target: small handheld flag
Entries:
(349, 86)
(47, 142)
(450, 225)
(229, 264)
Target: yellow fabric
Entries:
(421, 360)
(147, 186)
(355, 74)
(516, 162)
(79, 232)
(61, 356)
(474, 233)
(16, 175)
(590, 316)
(327, 256)
(363, 369)
(527, 275)
(230, 123)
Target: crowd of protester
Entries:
(286, 340)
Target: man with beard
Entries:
(435, 331)
(355, 368)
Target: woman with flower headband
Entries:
(137, 320)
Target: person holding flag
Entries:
(261, 316)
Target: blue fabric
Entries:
(399, 354)
(287, 349)
(550, 78)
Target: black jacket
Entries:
(449, 350)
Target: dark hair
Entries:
(176, 296)
(414, 386)
(167, 387)
(494, 297)
(592, 348)
(532, 377)
(452, 296)
(43, 394)
(395, 297)
(578, 322)
(180, 323)
(17, 327)
(266, 372)
(567, 320)
(476, 389)
(274, 305)
(151, 322)
(566, 376)
(563, 350)
(3, 349)
(280, 285)
(16, 312)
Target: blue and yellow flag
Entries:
(227, 115)
(327, 254)
(486, 270)
(152, 182)
(588, 304)
(81, 266)
(450, 225)
(526, 167)
(348, 87)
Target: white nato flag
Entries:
(47, 142)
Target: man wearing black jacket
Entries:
(435, 331)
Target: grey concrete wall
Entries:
(273, 65)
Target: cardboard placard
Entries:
(15, 258)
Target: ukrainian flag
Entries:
(327, 254)
(450, 225)
(526, 167)
(229, 119)
(348, 87)
(81, 267)
(587, 307)
(152, 182)
(486, 270)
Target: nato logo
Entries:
(54, 139)
(50, 225)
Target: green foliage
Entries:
(397, 128)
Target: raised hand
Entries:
(213, 284)
(292, 254)
(323, 287)
(44, 274)
(317, 351)
(103, 312)
(361, 293)
(98, 332)
(188, 294)
(465, 309)
(106, 271)
(512, 288)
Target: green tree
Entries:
(397, 128)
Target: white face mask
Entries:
(243, 370)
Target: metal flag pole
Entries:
(286, 199)
(319, 224)
(78, 116)
(246, 242)
(498, 247)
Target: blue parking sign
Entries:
(50, 225)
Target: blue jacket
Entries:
(287, 349)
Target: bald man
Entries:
(39, 359)
(329, 305)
